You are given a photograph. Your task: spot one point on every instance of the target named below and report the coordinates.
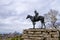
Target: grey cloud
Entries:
(13, 13)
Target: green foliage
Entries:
(17, 38)
(14, 38)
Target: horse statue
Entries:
(35, 19)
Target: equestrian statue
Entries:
(36, 18)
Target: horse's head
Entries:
(28, 17)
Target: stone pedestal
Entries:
(40, 34)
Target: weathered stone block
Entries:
(41, 34)
(52, 38)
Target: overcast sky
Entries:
(13, 13)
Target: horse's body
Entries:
(35, 19)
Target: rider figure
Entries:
(36, 14)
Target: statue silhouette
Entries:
(36, 18)
(36, 14)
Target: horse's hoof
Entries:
(33, 28)
(41, 28)
(44, 28)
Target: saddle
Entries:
(36, 17)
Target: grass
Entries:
(13, 38)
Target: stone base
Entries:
(40, 34)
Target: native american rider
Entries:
(36, 15)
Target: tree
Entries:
(51, 17)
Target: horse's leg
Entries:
(33, 25)
(44, 25)
(41, 25)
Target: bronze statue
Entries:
(36, 14)
(36, 18)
